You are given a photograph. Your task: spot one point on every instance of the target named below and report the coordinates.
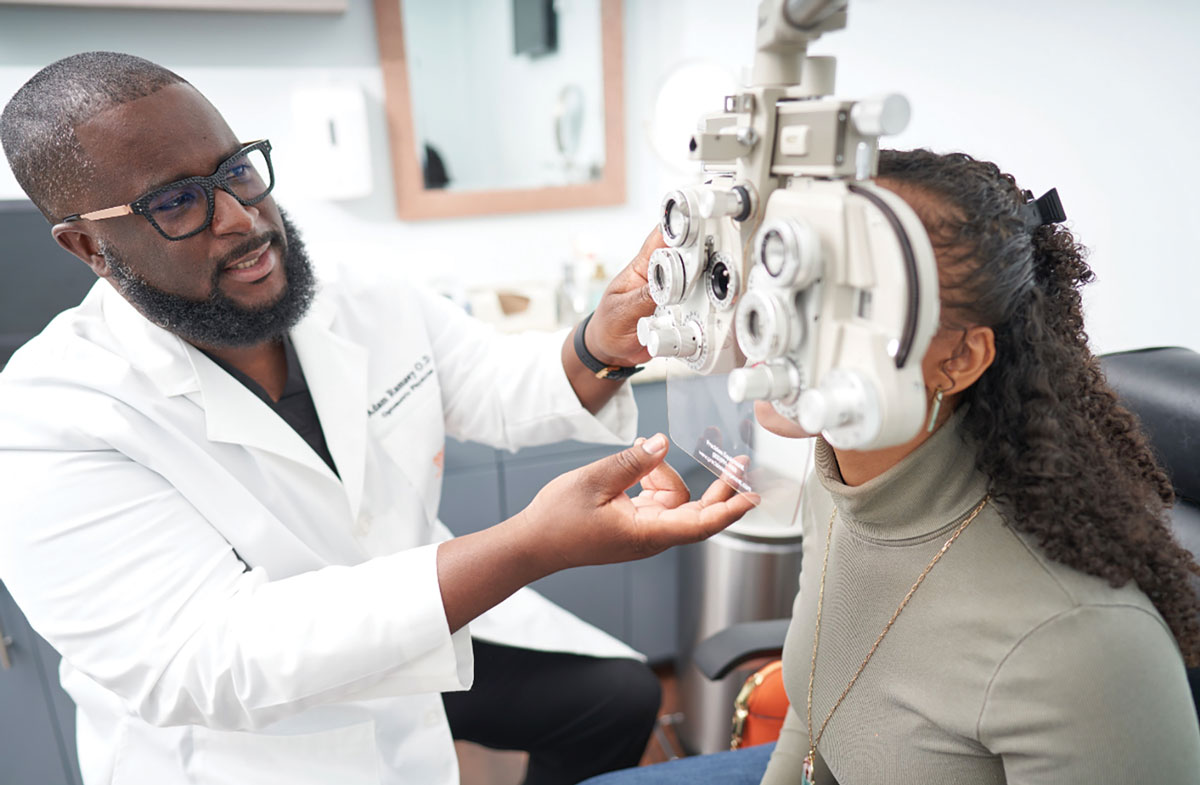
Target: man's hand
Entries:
(612, 332)
(585, 517)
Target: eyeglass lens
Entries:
(184, 209)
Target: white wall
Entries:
(1095, 97)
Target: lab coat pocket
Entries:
(345, 755)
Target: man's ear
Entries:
(974, 354)
(79, 242)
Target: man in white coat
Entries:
(221, 479)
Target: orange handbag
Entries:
(760, 707)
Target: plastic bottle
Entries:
(569, 299)
(596, 284)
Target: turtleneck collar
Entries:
(934, 486)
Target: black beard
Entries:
(218, 321)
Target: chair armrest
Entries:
(723, 651)
(1162, 387)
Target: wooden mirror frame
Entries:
(415, 202)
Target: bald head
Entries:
(37, 127)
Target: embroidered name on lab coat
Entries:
(398, 393)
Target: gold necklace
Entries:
(807, 769)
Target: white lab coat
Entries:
(135, 473)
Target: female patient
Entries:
(999, 600)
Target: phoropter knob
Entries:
(734, 203)
(674, 341)
(773, 381)
(840, 399)
(884, 116)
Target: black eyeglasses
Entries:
(184, 208)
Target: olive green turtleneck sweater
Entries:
(1005, 666)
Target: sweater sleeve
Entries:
(1094, 694)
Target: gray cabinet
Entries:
(37, 719)
(636, 602)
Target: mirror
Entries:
(501, 106)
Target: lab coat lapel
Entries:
(232, 414)
(160, 355)
(336, 371)
(235, 415)
(334, 368)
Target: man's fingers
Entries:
(716, 517)
(664, 478)
(624, 308)
(717, 492)
(633, 300)
(653, 241)
(665, 487)
(621, 471)
(724, 486)
(692, 523)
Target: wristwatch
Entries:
(602, 370)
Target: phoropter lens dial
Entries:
(680, 218)
(790, 251)
(723, 282)
(768, 324)
(669, 276)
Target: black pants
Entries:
(576, 716)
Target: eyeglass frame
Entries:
(207, 183)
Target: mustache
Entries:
(274, 237)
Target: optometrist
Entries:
(221, 480)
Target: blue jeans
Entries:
(736, 767)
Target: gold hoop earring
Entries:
(937, 407)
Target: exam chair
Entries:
(1162, 387)
(1159, 385)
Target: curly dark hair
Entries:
(1068, 464)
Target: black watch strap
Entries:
(601, 370)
